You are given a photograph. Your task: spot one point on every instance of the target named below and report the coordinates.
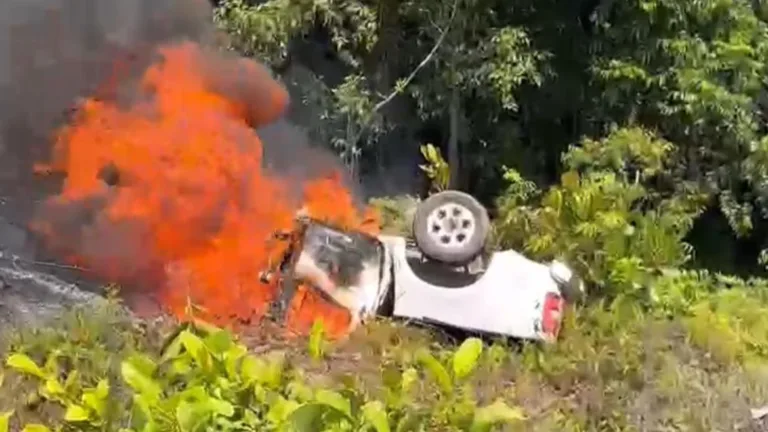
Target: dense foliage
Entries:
(619, 367)
(496, 84)
(204, 380)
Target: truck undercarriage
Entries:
(503, 293)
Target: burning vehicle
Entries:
(162, 179)
(441, 276)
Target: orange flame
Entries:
(193, 209)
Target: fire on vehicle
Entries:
(149, 201)
(441, 275)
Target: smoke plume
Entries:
(55, 53)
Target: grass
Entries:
(615, 368)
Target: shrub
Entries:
(205, 380)
(601, 218)
(396, 213)
(618, 366)
(655, 332)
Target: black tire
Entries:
(457, 238)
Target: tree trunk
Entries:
(382, 64)
(454, 155)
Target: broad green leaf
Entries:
(299, 391)
(143, 384)
(96, 398)
(312, 417)
(191, 416)
(219, 342)
(334, 399)
(276, 366)
(317, 340)
(34, 427)
(5, 419)
(204, 326)
(195, 346)
(72, 381)
(220, 407)
(280, 409)
(204, 402)
(496, 413)
(76, 413)
(435, 370)
(143, 364)
(261, 394)
(465, 358)
(102, 388)
(307, 417)
(375, 414)
(232, 359)
(195, 393)
(181, 366)
(431, 153)
(53, 387)
(570, 180)
(97, 404)
(172, 350)
(143, 405)
(22, 363)
(269, 371)
(253, 369)
(51, 365)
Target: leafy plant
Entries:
(205, 379)
(601, 217)
(396, 213)
(317, 340)
(436, 168)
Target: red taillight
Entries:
(552, 316)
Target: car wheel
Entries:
(451, 227)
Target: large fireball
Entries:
(166, 188)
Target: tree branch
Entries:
(412, 75)
(423, 63)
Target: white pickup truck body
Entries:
(507, 294)
(511, 296)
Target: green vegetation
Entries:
(203, 379)
(618, 367)
(628, 138)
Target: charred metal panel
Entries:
(342, 255)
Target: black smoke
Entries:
(54, 53)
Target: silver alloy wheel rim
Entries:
(451, 225)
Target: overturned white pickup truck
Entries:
(441, 276)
